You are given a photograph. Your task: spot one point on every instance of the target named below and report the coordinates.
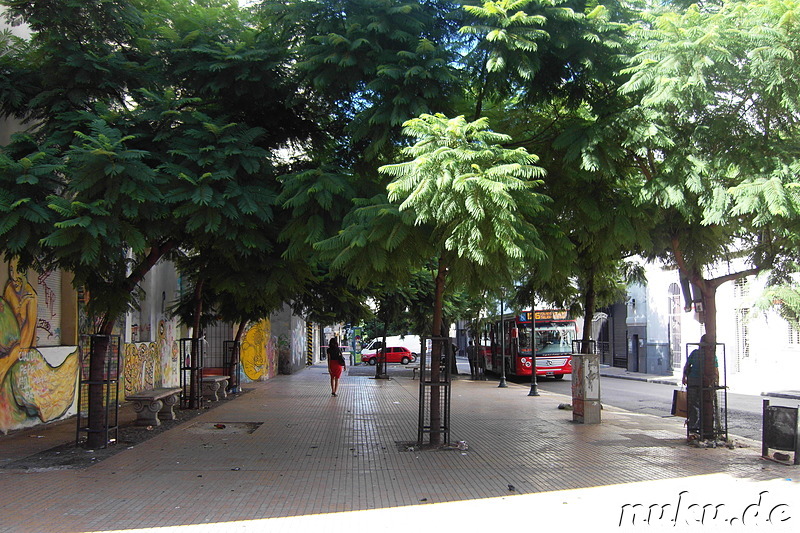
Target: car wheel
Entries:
(373, 361)
(405, 361)
(559, 376)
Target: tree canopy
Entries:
(307, 150)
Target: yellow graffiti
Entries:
(139, 365)
(20, 313)
(41, 389)
(31, 386)
(253, 357)
(143, 362)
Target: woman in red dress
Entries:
(335, 364)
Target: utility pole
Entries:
(534, 385)
(503, 383)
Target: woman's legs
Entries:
(335, 385)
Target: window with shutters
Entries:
(742, 338)
(675, 312)
(741, 292)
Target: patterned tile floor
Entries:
(294, 458)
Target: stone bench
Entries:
(152, 406)
(215, 386)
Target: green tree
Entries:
(531, 52)
(477, 200)
(164, 154)
(550, 77)
(375, 64)
(462, 203)
(713, 136)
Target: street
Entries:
(744, 411)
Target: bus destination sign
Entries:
(545, 314)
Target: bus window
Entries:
(525, 338)
(554, 339)
(509, 324)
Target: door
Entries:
(633, 354)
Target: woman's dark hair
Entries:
(334, 352)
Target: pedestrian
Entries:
(336, 364)
(695, 382)
(472, 357)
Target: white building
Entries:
(761, 349)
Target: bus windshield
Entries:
(553, 339)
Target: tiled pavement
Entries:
(293, 458)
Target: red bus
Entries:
(553, 333)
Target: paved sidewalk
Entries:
(292, 458)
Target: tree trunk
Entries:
(590, 297)
(710, 369)
(436, 355)
(240, 332)
(481, 90)
(195, 377)
(97, 420)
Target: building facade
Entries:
(760, 351)
(43, 322)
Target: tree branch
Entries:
(716, 282)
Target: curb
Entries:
(789, 395)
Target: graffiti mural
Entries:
(253, 353)
(140, 364)
(48, 324)
(152, 364)
(36, 385)
(259, 352)
(298, 342)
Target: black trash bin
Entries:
(780, 429)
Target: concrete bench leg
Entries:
(166, 412)
(211, 388)
(147, 412)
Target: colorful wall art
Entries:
(36, 384)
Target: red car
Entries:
(394, 354)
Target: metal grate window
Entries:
(741, 289)
(793, 333)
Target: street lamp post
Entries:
(534, 386)
(502, 384)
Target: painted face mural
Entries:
(258, 352)
(34, 383)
